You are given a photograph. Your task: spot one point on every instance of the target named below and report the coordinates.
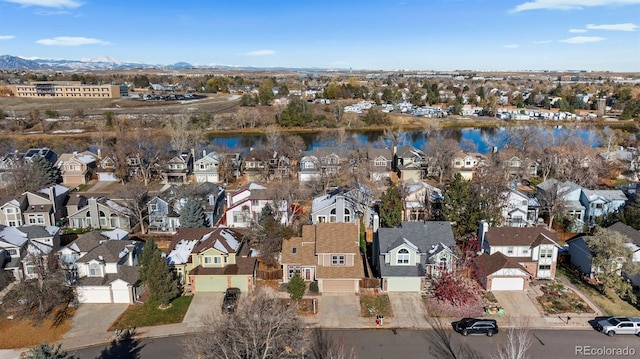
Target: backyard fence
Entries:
(370, 283)
(269, 274)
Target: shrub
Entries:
(296, 287)
(313, 286)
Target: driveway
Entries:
(339, 310)
(94, 320)
(203, 305)
(408, 311)
(517, 303)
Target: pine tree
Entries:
(148, 251)
(460, 206)
(47, 351)
(43, 171)
(296, 287)
(192, 215)
(391, 208)
(162, 281)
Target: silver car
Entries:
(619, 325)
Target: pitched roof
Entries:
(243, 266)
(196, 240)
(128, 274)
(490, 264)
(424, 235)
(87, 242)
(515, 236)
(334, 237)
(632, 233)
(110, 251)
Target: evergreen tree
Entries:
(391, 208)
(47, 351)
(296, 287)
(144, 260)
(44, 173)
(192, 215)
(162, 281)
(460, 206)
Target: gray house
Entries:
(408, 257)
(344, 205)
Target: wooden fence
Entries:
(370, 283)
(270, 274)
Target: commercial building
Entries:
(73, 89)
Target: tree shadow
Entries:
(126, 348)
(442, 345)
(324, 346)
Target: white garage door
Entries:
(403, 284)
(94, 295)
(510, 283)
(338, 285)
(121, 295)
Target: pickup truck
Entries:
(619, 325)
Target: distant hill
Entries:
(8, 62)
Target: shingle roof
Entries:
(490, 264)
(243, 266)
(110, 251)
(128, 274)
(515, 236)
(424, 235)
(87, 241)
(632, 233)
(334, 237)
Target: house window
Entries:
(544, 267)
(598, 205)
(380, 162)
(293, 270)
(13, 252)
(216, 260)
(347, 215)
(153, 207)
(207, 260)
(338, 260)
(9, 210)
(332, 216)
(443, 264)
(525, 251)
(509, 250)
(114, 220)
(31, 269)
(294, 250)
(36, 219)
(103, 219)
(322, 219)
(403, 256)
(95, 270)
(309, 165)
(458, 163)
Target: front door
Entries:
(307, 274)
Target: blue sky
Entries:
(374, 35)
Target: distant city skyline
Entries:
(441, 35)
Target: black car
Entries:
(230, 301)
(468, 326)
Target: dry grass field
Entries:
(15, 334)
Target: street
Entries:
(383, 344)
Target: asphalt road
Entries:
(408, 344)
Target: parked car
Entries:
(230, 300)
(467, 326)
(619, 325)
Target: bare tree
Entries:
(261, 327)
(517, 343)
(441, 152)
(551, 199)
(135, 198)
(442, 344)
(180, 131)
(325, 346)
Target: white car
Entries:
(619, 325)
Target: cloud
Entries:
(59, 4)
(576, 31)
(260, 53)
(541, 42)
(71, 41)
(583, 39)
(6, 37)
(569, 4)
(511, 46)
(614, 27)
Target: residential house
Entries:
(519, 209)
(601, 203)
(24, 246)
(178, 168)
(77, 168)
(379, 164)
(265, 165)
(533, 249)
(12, 160)
(421, 201)
(245, 204)
(309, 169)
(409, 163)
(109, 273)
(106, 170)
(320, 163)
(99, 212)
(207, 168)
(164, 209)
(515, 164)
(348, 204)
(328, 253)
(582, 257)
(212, 259)
(466, 164)
(565, 195)
(409, 256)
(44, 207)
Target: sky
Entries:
(440, 35)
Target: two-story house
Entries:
(533, 249)
(212, 259)
(515, 164)
(178, 168)
(207, 168)
(409, 163)
(421, 201)
(99, 212)
(565, 196)
(601, 203)
(379, 164)
(466, 164)
(77, 168)
(328, 253)
(519, 209)
(348, 204)
(109, 273)
(409, 256)
(245, 204)
(44, 207)
(24, 246)
(320, 162)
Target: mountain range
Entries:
(9, 62)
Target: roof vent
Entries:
(101, 258)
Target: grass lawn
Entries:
(149, 314)
(612, 305)
(18, 334)
(380, 305)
